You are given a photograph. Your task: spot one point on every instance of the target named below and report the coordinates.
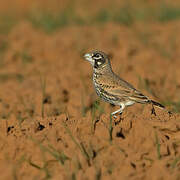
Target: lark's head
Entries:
(98, 59)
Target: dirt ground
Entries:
(53, 126)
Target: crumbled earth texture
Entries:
(53, 125)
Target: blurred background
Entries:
(134, 33)
(55, 14)
(50, 16)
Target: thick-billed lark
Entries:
(111, 88)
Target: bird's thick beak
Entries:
(88, 57)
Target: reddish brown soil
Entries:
(34, 144)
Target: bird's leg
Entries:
(115, 112)
(122, 106)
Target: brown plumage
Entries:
(110, 87)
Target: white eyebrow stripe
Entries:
(97, 57)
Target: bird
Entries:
(111, 88)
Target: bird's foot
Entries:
(113, 115)
(116, 115)
(118, 118)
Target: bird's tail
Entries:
(156, 104)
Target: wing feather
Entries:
(121, 89)
(130, 94)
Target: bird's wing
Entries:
(124, 90)
(128, 94)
